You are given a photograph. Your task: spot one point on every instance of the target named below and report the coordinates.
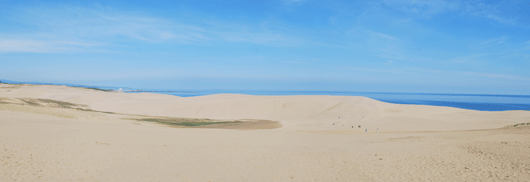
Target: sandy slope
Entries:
(415, 143)
(295, 112)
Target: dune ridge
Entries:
(296, 112)
(59, 133)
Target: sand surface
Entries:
(59, 133)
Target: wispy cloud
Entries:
(494, 75)
(504, 12)
(14, 45)
(296, 62)
(79, 29)
(473, 59)
(259, 37)
(302, 61)
(427, 70)
(492, 11)
(37, 46)
(425, 8)
(97, 23)
(494, 41)
(289, 3)
(375, 70)
(383, 35)
(68, 28)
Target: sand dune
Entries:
(59, 133)
(294, 112)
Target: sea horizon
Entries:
(479, 102)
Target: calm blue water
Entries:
(479, 102)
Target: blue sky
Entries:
(384, 46)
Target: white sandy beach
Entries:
(41, 141)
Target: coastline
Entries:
(478, 102)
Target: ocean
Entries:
(480, 102)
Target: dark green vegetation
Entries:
(248, 124)
(48, 103)
(90, 110)
(94, 88)
(521, 124)
(189, 122)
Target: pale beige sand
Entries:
(415, 143)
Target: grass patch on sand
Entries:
(99, 89)
(243, 124)
(520, 125)
(210, 123)
(188, 122)
(59, 103)
(90, 110)
(38, 110)
(48, 107)
(48, 103)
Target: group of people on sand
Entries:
(365, 130)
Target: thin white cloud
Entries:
(99, 23)
(296, 62)
(375, 70)
(68, 28)
(262, 38)
(494, 75)
(384, 35)
(425, 8)
(14, 45)
(494, 41)
(292, 2)
(427, 70)
(504, 12)
(473, 59)
(37, 46)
